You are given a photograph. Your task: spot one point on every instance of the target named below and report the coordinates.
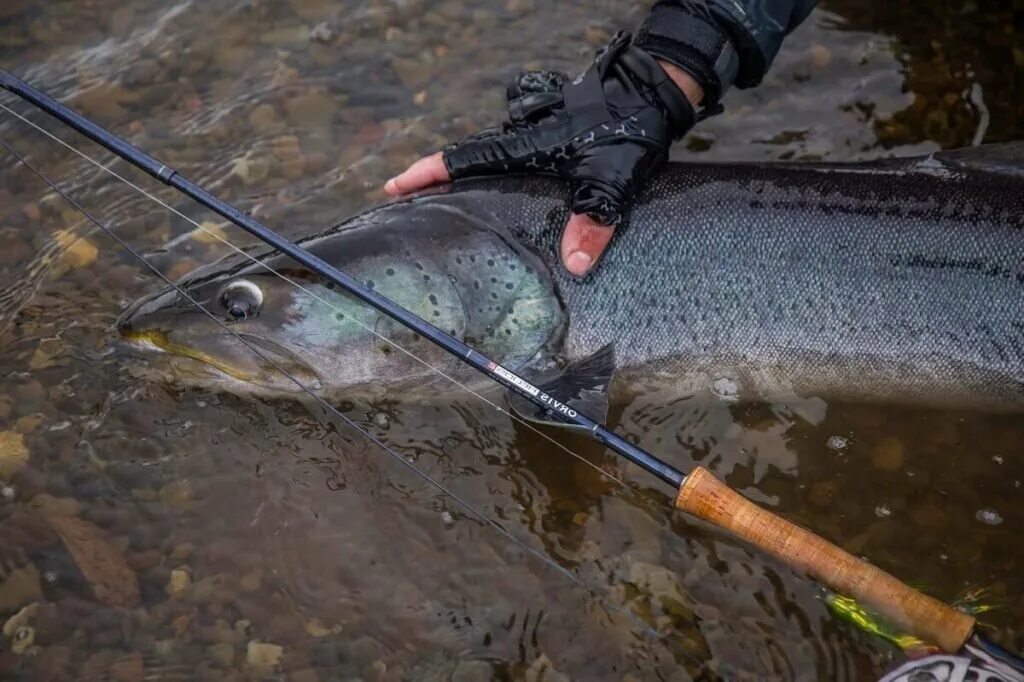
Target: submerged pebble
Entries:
(837, 443)
(888, 454)
(989, 516)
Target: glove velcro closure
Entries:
(681, 113)
(695, 42)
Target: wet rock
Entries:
(822, 493)
(264, 118)
(322, 32)
(112, 580)
(176, 493)
(304, 675)
(472, 671)
(222, 654)
(182, 551)
(21, 619)
(989, 516)
(837, 443)
(251, 581)
(286, 147)
(209, 233)
(820, 57)
(13, 453)
(105, 101)
(20, 588)
(263, 654)
(79, 252)
(121, 19)
(542, 670)
(928, 515)
(888, 454)
(128, 669)
(250, 170)
(179, 582)
(22, 639)
(49, 505)
(312, 109)
(314, 628)
(413, 73)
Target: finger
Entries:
(430, 170)
(583, 242)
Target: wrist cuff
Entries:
(692, 40)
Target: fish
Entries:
(892, 281)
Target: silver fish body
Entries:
(897, 280)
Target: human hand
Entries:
(607, 132)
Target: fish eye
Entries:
(241, 299)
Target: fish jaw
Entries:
(218, 358)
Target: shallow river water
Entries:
(269, 541)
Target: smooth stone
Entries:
(888, 454)
(13, 453)
(312, 109)
(21, 587)
(223, 654)
(263, 654)
(179, 582)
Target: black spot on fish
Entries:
(458, 260)
(494, 295)
(386, 350)
(331, 285)
(490, 262)
(508, 285)
(391, 272)
(437, 313)
(515, 321)
(369, 283)
(511, 266)
(433, 299)
(494, 280)
(426, 278)
(340, 316)
(508, 332)
(419, 266)
(476, 284)
(528, 270)
(472, 259)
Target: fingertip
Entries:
(430, 170)
(583, 242)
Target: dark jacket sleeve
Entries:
(721, 42)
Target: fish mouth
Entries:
(273, 365)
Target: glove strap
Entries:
(689, 37)
(681, 113)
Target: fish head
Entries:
(265, 325)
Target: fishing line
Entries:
(334, 308)
(572, 577)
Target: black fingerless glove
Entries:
(607, 132)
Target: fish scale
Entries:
(899, 280)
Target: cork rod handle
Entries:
(707, 498)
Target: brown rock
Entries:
(286, 147)
(128, 669)
(264, 118)
(112, 580)
(13, 453)
(312, 109)
(263, 654)
(222, 654)
(888, 454)
(20, 588)
(413, 73)
(822, 493)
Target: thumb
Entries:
(583, 242)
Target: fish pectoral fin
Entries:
(581, 386)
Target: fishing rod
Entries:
(698, 493)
